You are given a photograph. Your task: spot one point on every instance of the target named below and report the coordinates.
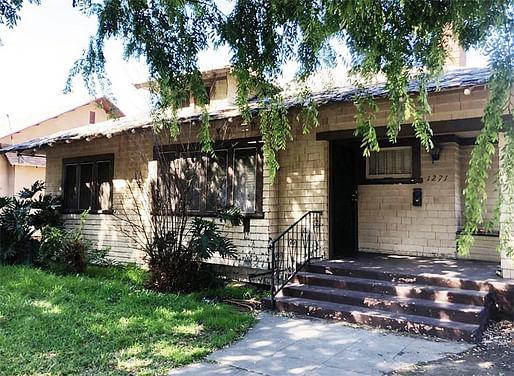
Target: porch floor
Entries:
(451, 268)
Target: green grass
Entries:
(57, 325)
(130, 274)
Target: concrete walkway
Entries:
(279, 345)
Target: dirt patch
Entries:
(493, 356)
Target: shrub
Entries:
(21, 219)
(170, 264)
(206, 240)
(69, 248)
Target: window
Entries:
(186, 101)
(208, 90)
(395, 162)
(245, 179)
(232, 177)
(87, 184)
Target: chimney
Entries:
(456, 56)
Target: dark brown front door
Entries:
(343, 199)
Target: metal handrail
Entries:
(293, 248)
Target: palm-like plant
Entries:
(21, 218)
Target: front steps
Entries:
(426, 304)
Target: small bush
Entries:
(69, 248)
(170, 264)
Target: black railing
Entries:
(292, 249)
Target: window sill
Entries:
(70, 211)
(392, 181)
(491, 234)
(214, 215)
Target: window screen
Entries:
(70, 186)
(217, 182)
(390, 162)
(245, 179)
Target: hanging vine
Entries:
(399, 40)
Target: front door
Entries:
(343, 199)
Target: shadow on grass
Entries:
(77, 325)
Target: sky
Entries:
(37, 54)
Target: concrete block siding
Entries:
(387, 220)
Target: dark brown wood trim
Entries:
(259, 183)
(493, 234)
(438, 127)
(330, 199)
(197, 147)
(77, 211)
(446, 138)
(89, 158)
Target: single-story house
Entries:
(20, 171)
(400, 201)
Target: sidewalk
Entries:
(279, 345)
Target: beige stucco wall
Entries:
(6, 177)
(25, 176)
(66, 120)
(387, 220)
(13, 179)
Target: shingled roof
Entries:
(465, 77)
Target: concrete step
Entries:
(441, 328)
(472, 314)
(406, 290)
(344, 269)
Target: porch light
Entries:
(435, 153)
(467, 91)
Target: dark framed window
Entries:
(393, 164)
(230, 177)
(87, 184)
(186, 101)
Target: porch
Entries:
(446, 298)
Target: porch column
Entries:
(507, 207)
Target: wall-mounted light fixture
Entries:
(435, 153)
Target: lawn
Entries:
(104, 324)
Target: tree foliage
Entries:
(400, 40)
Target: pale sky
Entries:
(36, 57)
(37, 54)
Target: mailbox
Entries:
(417, 197)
